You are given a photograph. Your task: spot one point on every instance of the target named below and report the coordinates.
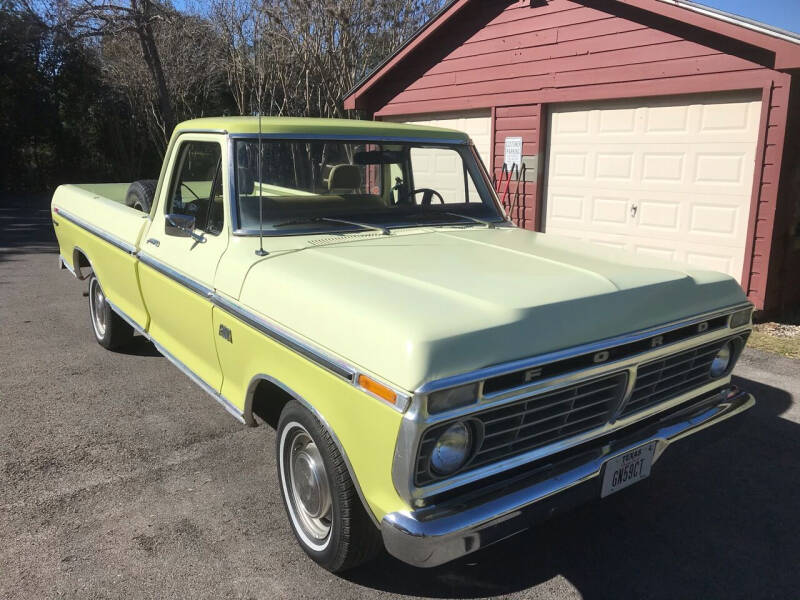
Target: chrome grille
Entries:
(528, 424)
(671, 376)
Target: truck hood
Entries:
(417, 307)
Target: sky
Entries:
(778, 13)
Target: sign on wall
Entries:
(513, 152)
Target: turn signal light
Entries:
(380, 390)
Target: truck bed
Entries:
(110, 191)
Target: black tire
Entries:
(140, 194)
(110, 330)
(352, 538)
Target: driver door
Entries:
(180, 253)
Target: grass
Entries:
(785, 346)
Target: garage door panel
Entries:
(726, 117)
(614, 166)
(663, 167)
(569, 208)
(610, 210)
(712, 262)
(666, 177)
(676, 167)
(661, 215)
(656, 252)
(571, 165)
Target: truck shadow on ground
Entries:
(719, 517)
(139, 346)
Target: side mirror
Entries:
(179, 225)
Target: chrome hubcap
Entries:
(309, 489)
(97, 302)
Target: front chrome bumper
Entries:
(439, 534)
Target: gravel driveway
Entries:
(120, 479)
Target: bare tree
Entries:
(302, 56)
(134, 20)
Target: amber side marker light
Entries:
(380, 390)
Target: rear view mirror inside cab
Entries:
(377, 157)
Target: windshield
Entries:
(329, 185)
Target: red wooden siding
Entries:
(762, 222)
(516, 59)
(525, 122)
(561, 51)
(783, 289)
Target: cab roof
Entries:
(321, 127)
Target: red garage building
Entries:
(659, 126)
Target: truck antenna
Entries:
(260, 251)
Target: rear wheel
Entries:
(140, 194)
(324, 509)
(110, 330)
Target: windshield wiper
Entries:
(487, 224)
(309, 220)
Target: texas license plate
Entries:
(626, 469)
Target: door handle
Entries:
(154, 241)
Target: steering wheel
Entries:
(427, 196)
(191, 191)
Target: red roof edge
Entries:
(787, 53)
(352, 100)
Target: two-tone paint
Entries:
(233, 320)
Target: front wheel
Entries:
(320, 498)
(110, 330)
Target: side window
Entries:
(196, 189)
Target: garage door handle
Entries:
(634, 208)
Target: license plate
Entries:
(626, 469)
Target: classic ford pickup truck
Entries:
(438, 378)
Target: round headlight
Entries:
(722, 360)
(452, 449)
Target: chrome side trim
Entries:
(273, 331)
(317, 356)
(129, 320)
(63, 264)
(428, 540)
(102, 234)
(285, 338)
(226, 404)
(176, 276)
(248, 416)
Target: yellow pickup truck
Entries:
(438, 378)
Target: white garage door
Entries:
(662, 177)
(476, 124)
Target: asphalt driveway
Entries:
(120, 479)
